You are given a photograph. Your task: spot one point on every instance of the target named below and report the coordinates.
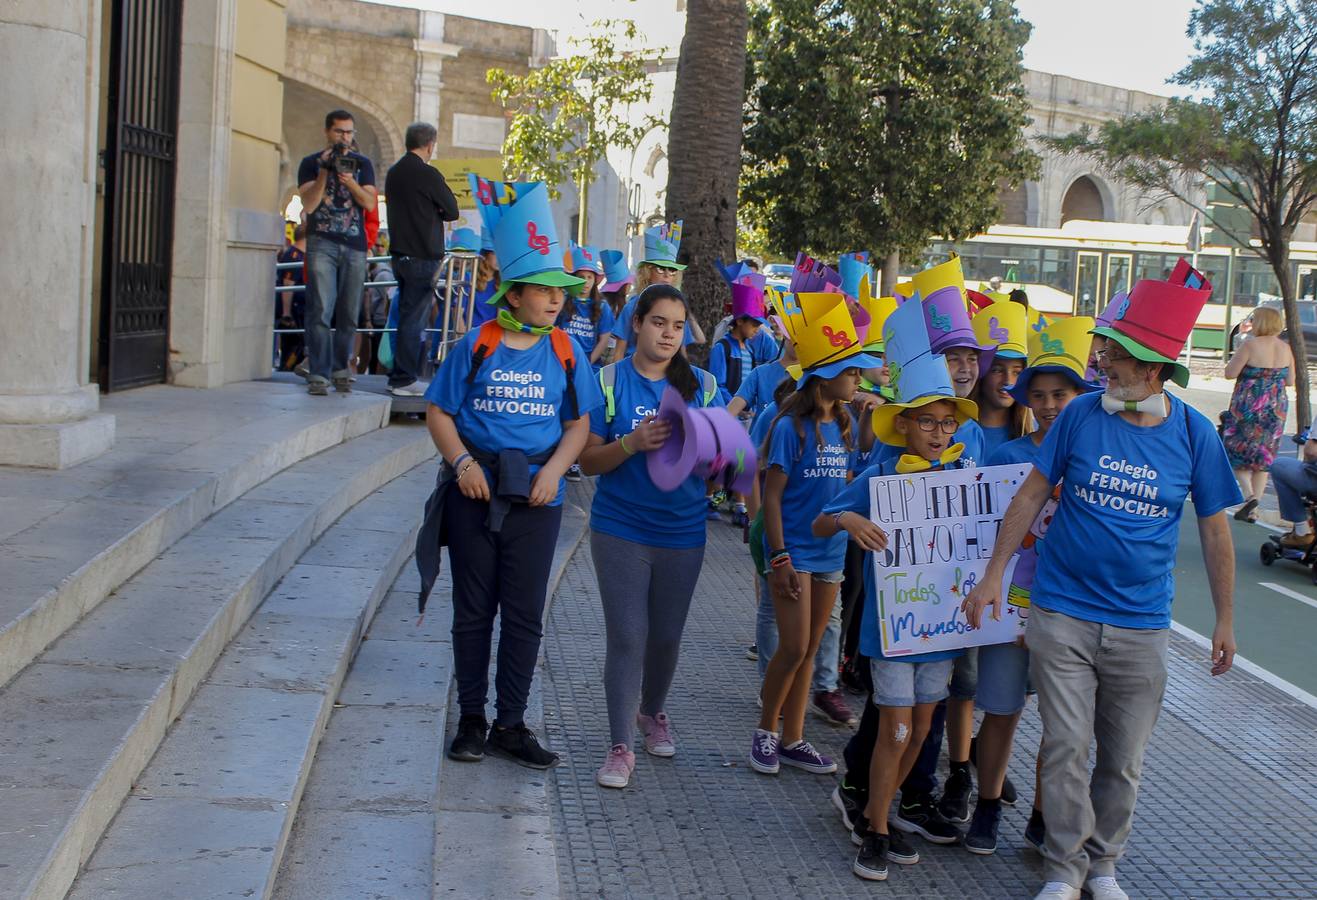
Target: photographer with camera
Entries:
(337, 186)
(420, 201)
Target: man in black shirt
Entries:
(420, 201)
(337, 186)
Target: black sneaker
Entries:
(860, 829)
(752, 653)
(519, 745)
(469, 744)
(1035, 832)
(573, 473)
(981, 839)
(1009, 795)
(920, 816)
(954, 804)
(871, 862)
(849, 802)
(899, 849)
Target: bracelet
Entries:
(469, 464)
(625, 449)
(777, 562)
(836, 517)
(457, 462)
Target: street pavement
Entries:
(1228, 799)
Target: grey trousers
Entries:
(1094, 682)
(646, 593)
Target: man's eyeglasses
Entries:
(343, 132)
(1106, 357)
(928, 423)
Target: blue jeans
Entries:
(415, 300)
(335, 274)
(1291, 478)
(825, 661)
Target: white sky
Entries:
(1135, 44)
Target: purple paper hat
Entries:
(947, 320)
(813, 277)
(1109, 314)
(748, 297)
(616, 271)
(733, 462)
(703, 443)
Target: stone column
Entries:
(48, 409)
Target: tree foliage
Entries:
(565, 116)
(882, 125)
(1252, 130)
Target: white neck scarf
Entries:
(1153, 406)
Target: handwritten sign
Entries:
(941, 528)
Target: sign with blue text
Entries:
(941, 528)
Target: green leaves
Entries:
(565, 116)
(881, 125)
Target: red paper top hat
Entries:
(1155, 320)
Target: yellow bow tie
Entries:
(909, 463)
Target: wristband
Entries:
(777, 562)
(457, 462)
(836, 517)
(625, 449)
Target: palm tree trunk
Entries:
(704, 148)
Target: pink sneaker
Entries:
(658, 735)
(617, 768)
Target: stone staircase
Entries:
(175, 625)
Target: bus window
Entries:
(1087, 279)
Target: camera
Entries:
(339, 162)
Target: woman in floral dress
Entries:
(1262, 368)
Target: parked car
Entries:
(778, 275)
(1307, 319)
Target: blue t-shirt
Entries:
(518, 400)
(481, 309)
(622, 328)
(1020, 451)
(1111, 548)
(759, 428)
(757, 388)
(626, 504)
(969, 434)
(815, 475)
(993, 437)
(579, 326)
(855, 498)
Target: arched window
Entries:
(1083, 200)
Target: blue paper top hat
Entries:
(661, 245)
(525, 239)
(486, 239)
(464, 240)
(919, 376)
(853, 267)
(616, 272)
(736, 272)
(586, 259)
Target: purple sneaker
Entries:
(803, 756)
(763, 752)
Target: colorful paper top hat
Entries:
(1060, 348)
(525, 239)
(1155, 320)
(464, 240)
(823, 331)
(735, 272)
(661, 245)
(1004, 325)
(486, 239)
(748, 297)
(919, 376)
(904, 289)
(706, 442)
(947, 319)
(854, 268)
(878, 309)
(810, 276)
(616, 271)
(947, 274)
(584, 259)
(1108, 315)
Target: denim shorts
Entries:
(1003, 678)
(827, 577)
(965, 675)
(900, 683)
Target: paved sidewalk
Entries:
(1227, 807)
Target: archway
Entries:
(1083, 200)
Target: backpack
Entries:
(564, 347)
(608, 381)
(734, 371)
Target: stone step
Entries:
(211, 812)
(83, 721)
(383, 806)
(69, 538)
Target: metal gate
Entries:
(139, 191)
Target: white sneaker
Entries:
(415, 389)
(1057, 890)
(1104, 887)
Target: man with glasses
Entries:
(337, 187)
(1127, 460)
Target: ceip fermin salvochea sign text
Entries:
(941, 529)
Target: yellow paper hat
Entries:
(819, 325)
(1035, 317)
(1060, 347)
(878, 308)
(995, 296)
(947, 274)
(1004, 325)
(904, 289)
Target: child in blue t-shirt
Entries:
(906, 689)
(647, 544)
(807, 463)
(588, 318)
